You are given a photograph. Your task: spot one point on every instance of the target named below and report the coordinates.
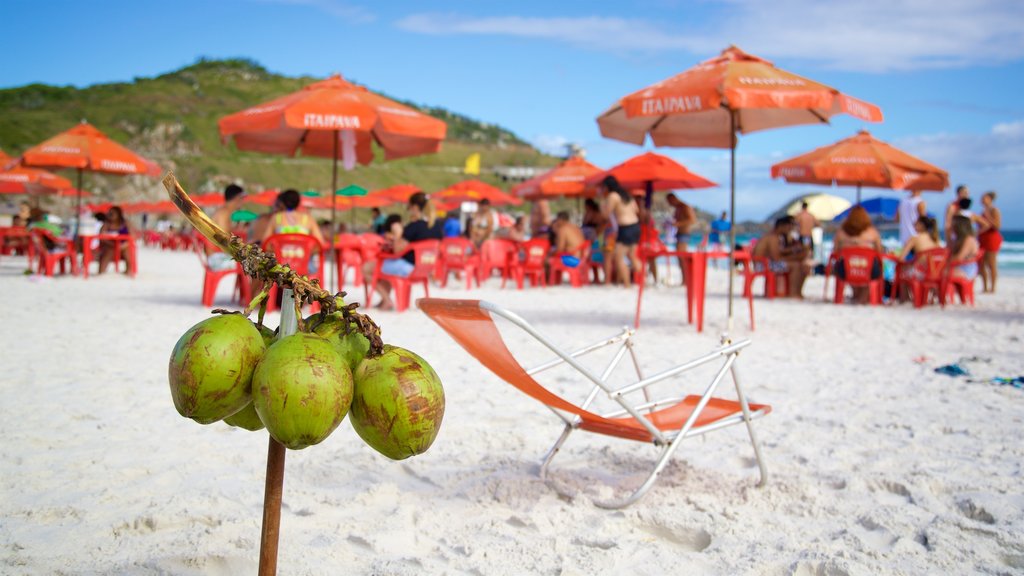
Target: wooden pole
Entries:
(275, 465)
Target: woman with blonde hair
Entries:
(964, 248)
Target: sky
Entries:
(948, 75)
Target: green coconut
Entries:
(302, 390)
(398, 404)
(211, 367)
(246, 418)
(352, 346)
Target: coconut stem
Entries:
(260, 265)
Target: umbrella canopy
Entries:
(878, 208)
(566, 179)
(862, 160)
(735, 91)
(85, 148)
(708, 104)
(209, 199)
(822, 206)
(399, 193)
(473, 191)
(335, 119)
(16, 179)
(312, 120)
(654, 172)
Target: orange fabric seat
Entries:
(664, 423)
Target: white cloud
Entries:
(552, 144)
(341, 10)
(870, 36)
(592, 32)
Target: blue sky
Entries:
(948, 75)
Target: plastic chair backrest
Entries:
(861, 265)
(455, 251)
(294, 250)
(350, 241)
(931, 264)
(497, 251)
(47, 242)
(535, 252)
(427, 252)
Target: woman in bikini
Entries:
(990, 239)
(964, 248)
(621, 206)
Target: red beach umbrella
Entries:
(474, 191)
(335, 119)
(708, 104)
(85, 148)
(399, 193)
(862, 160)
(566, 179)
(650, 171)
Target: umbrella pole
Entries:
(732, 212)
(858, 193)
(275, 466)
(334, 188)
(78, 209)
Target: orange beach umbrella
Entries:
(335, 119)
(399, 193)
(862, 160)
(473, 191)
(708, 104)
(85, 148)
(566, 179)
(16, 179)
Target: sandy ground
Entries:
(877, 464)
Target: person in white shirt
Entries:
(910, 209)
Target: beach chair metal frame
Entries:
(664, 422)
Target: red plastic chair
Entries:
(578, 275)
(924, 277)
(531, 265)
(348, 254)
(859, 265)
(757, 267)
(651, 248)
(427, 253)
(295, 250)
(958, 285)
(457, 255)
(212, 278)
(497, 254)
(60, 252)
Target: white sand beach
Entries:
(877, 465)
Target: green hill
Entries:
(172, 119)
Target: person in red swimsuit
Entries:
(990, 239)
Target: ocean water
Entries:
(1010, 260)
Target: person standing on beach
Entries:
(990, 238)
(909, 210)
(805, 225)
(954, 208)
(618, 203)
(685, 217)
(540, 218)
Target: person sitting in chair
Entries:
(785, 254)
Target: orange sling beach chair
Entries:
(663, 422)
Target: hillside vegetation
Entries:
(172, 119)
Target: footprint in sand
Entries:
(892, 493)
(691, 539)
(829, 568)
(974, 511)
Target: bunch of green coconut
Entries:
(300, 387)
